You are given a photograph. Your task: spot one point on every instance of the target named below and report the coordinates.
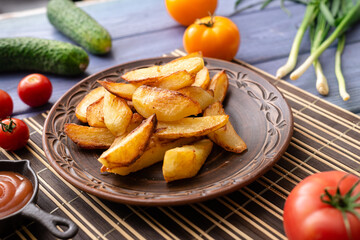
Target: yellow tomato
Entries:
(216, 37)
(186, 12)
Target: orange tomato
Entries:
(186, 12)
(216, 37)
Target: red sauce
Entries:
(15, 191)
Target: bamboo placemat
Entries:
(325, 137)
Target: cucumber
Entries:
(79, 26)
(43, 55)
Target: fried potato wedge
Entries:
(154, 153)
(175, 81)
(226, 137)
(186, 161)
(203, 97)
(89, 137)
(190, 55)
(136, 120)
(192, 65)
(117, 114)
(124, 151)
(168, 105)
(91, 97)
(219, 84)
(202, 79)
(131, 105)
(97, 138)
(95, 114)
(154, 73)
(123, 90)
(190, 127)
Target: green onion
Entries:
(321, 82)
(321, 16)
(310, 14)
(318, 33)
(340, 77)
(352, 16)
(263, 4)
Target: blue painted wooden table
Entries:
(143, 29)
(326, 137)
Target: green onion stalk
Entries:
(352, 16)
(309, 16)
(340, 77)
(322, 85)
(318, 33)
(264, 4)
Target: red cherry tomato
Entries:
(35, 90)
(14, 134)
(310, 213)
(6, 104)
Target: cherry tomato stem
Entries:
(8, 127)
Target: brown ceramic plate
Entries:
(257, 110)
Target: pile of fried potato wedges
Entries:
(171, 113)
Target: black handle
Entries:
(50, 221)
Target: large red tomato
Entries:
(6, 104)
(216, 37)
(14, 134)
(315, 210)
(186, 12)
(35, 90)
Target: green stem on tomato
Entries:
(339, 75)
(208, 24)
(347, 225)
(8, 127)
(310, 14)
(344, 203)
